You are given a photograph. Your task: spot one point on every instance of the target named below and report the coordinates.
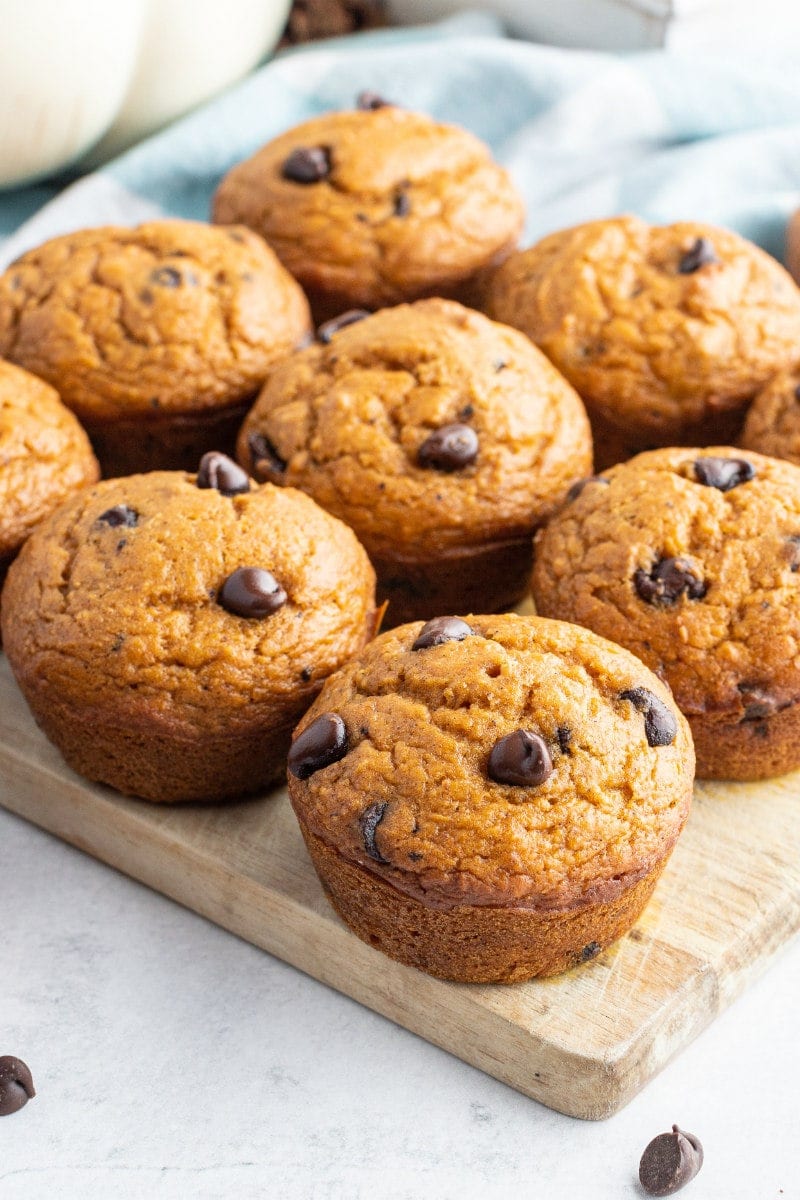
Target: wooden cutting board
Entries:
(583, 1043)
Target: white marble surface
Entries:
(174, 1061)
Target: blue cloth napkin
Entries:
(668, 136)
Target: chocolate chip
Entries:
(669, 1162)
(218, 471)
(441, 630)
(499, 365)
(369, 821)
(759, 703)
(251, 592)
(580, 484)
(667, 581)
(167, 277)
(449, 448)
(793, 551)
(402, 204)
(321, 743)
(368, 101)
(564, 738)
(589, 952)
(467, 411)
(700, 255)
(118, 643)
(120, 514)
(16, 1085)
(305, 674)
(326, 331)
(264, 456)
(521, 758)
(660, 726)
(797, 392)
(723, 473)
(307, 164)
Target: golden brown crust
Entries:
(348, 238)
(654, 351)
(773, 419)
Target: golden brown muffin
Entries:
(157, 337)
(168, 630)
(667, 332)
(440, 437)
(690, 559)
(376, 206)
(772, 425)
(491, 798)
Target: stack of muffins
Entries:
(486, 797)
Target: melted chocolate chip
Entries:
(669, 1162)
(793, 551)
(369, 821)
(759, 703)
(264, 456)
(168, 277)
(251, 592)
(667, 581)
(218, 471)
(402, 204)
(368, 101)
(521, 758)
(326, 331)
(589, 952)
(120, 514)
(16, 1085)
(564, 738)
(660, 726)
(700, 255)
(449, 449)
(723, 473)
(440, 630)
(307, 164)
(321, 743)
(580, 484)
(305, 674)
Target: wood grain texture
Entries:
(583, 1043)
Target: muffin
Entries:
(440, 437)
(168, 630)
(667, 332)
(772, 425)
(44, 457)
(491, 798)
(157, 338)
(376, 206)
(689, 558)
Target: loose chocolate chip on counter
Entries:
(660, 726)
(402, 203)
(669, 1162)
(449, 448)
(723, 473)
(580, 484)
(251, 592)
(521, 758)
(369, 821)
(120, 514)
(700, 255)
(307, 164)
(440, 630)
(264, 456)
(218, 471)
(16, 1085)
(168, 277)
(326, 331)
(321, 743)
(368, 101)
(667, 581)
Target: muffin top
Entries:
(773, 419)
(166, 599)
(422, 421)
(690, 559)
(656, 326)
(44, 455)
(377, 205)
(174, 315)
(495, 760)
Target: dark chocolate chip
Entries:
(307, 164)
(369, 821)
(440, 630)
(120, 514)
(723, 473)
(118, 643)
(797, 392)
(660, 726)
(155, 402)
(251, 592)
(326, 331)
(16, 1085)
(305, 674)
(667, 581)
(264, 456)
(415, 856)
(591, 951)
(580, 484)
(218, 471)
(168, 277)
(321, 743)
(759, 703)
(793, 551)
(564, 738)
(669, 1162)
(700, 255)
(521, 758)
(467, 411)
(402, 204)
(449, 449)
(121, 544)
(368, 101)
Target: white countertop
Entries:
(174, 1061)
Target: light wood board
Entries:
(583, 1043)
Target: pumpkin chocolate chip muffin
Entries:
(376, 206)
(168, 630)
(440, 437)
(772, 425)
(491, 798)
(157, 338)
(667, 332)
(690, 559)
